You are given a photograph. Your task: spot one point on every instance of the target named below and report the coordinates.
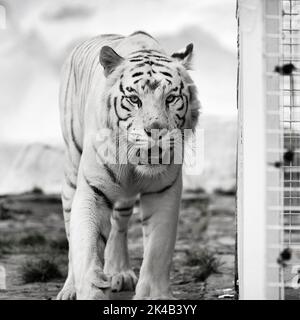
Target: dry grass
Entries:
(60, 244)
(206, 262)
(48, 260)
(34, 239)
(5, 245)
(32, 242)
(42, 270)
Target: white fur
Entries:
(88, 218)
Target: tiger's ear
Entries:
(184, 56)
(109, 59)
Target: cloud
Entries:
(70, 12)
(39, 45)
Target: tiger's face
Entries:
(151, 99)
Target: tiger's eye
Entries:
(171, 98)
(134, 99)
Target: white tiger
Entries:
(127, 86)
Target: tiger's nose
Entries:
(157, 127)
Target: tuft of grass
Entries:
(61, 244)
(6, 245)
(19, 243)
(34, 239)
(32, 242)
(42, 270)
(5, 214)
(206, 262)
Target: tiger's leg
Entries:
(89, 230)
(69, 186)
(116, 252)
(159, 219)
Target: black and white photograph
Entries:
(149, 150)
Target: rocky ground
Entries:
(33, 247)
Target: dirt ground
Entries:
(32, 230)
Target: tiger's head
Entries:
(151, 99)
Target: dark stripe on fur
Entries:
(124, 107)
(121, 88)
(103, 238)
(161, 190)
(178, 117)
(129, 89)
(163, 60)
(139, 56)
(139, 65)
(116, 111)
(109, 102)
(145, 220)
(137, 74)
(158, 56)
(110, 173)
(179, 109)
(160, 65)
(181, 86)
(100, 194)
(129, 125)
(135, 60)
(167, 74)
(70, 183)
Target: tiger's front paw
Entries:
(123, 281)
(68, 291)
(95, 287)
(153, 290)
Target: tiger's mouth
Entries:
(155, 151)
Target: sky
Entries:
(214, 16)
(38, 32)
